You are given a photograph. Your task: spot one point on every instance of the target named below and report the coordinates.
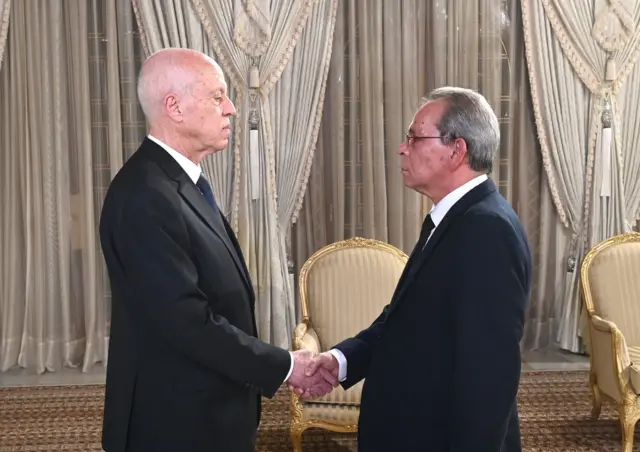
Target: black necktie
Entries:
(415, 258)
(427, 228)
(205, 188)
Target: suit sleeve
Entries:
(152, 243)
(358, 350)
(488, 302)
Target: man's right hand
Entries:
(309, 378)
(327, 362)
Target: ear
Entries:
(459, 155)
(172, 107)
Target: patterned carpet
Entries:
(554, 409)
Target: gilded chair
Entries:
(610, 278)
(343, 288)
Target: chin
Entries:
(218, 146)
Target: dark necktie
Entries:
(205, 188)
(414, 260)
(427, 228)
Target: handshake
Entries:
(313, 375)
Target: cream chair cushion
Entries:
(346, 290)
(614, 278)
(634, 368)
(611, 287)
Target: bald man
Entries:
(186, 371)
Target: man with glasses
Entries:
(442, 361)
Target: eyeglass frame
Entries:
(411, 139)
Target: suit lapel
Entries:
(190, 193)
(419, 257)
(238, 250)
(199, 204)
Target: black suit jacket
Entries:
(442, 362)
(185, 370)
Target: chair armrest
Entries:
(609, 357)
(305, 337)
(619, 344)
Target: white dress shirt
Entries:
(194, 171)
(438, 213)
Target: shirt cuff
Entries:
(342, 363)
(290, 368)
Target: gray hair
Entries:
(470, 117)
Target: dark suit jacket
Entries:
(442, 362)
(185, 370)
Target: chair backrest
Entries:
(345, 286)
(610, 275)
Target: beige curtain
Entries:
(373, 89)
(584, 81)
(527, 188)
(5, 7)
(385, 56)
(276, 54)
(68, 81)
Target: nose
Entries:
(229, 108)
(402, 149)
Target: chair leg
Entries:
(597, 399)
(628, 424)
(296, 438)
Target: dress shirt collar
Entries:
(439, 210)
(193, 170)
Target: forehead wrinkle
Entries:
(210, 84)
(418, 128)
(214, 83)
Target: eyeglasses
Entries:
(411, 139)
